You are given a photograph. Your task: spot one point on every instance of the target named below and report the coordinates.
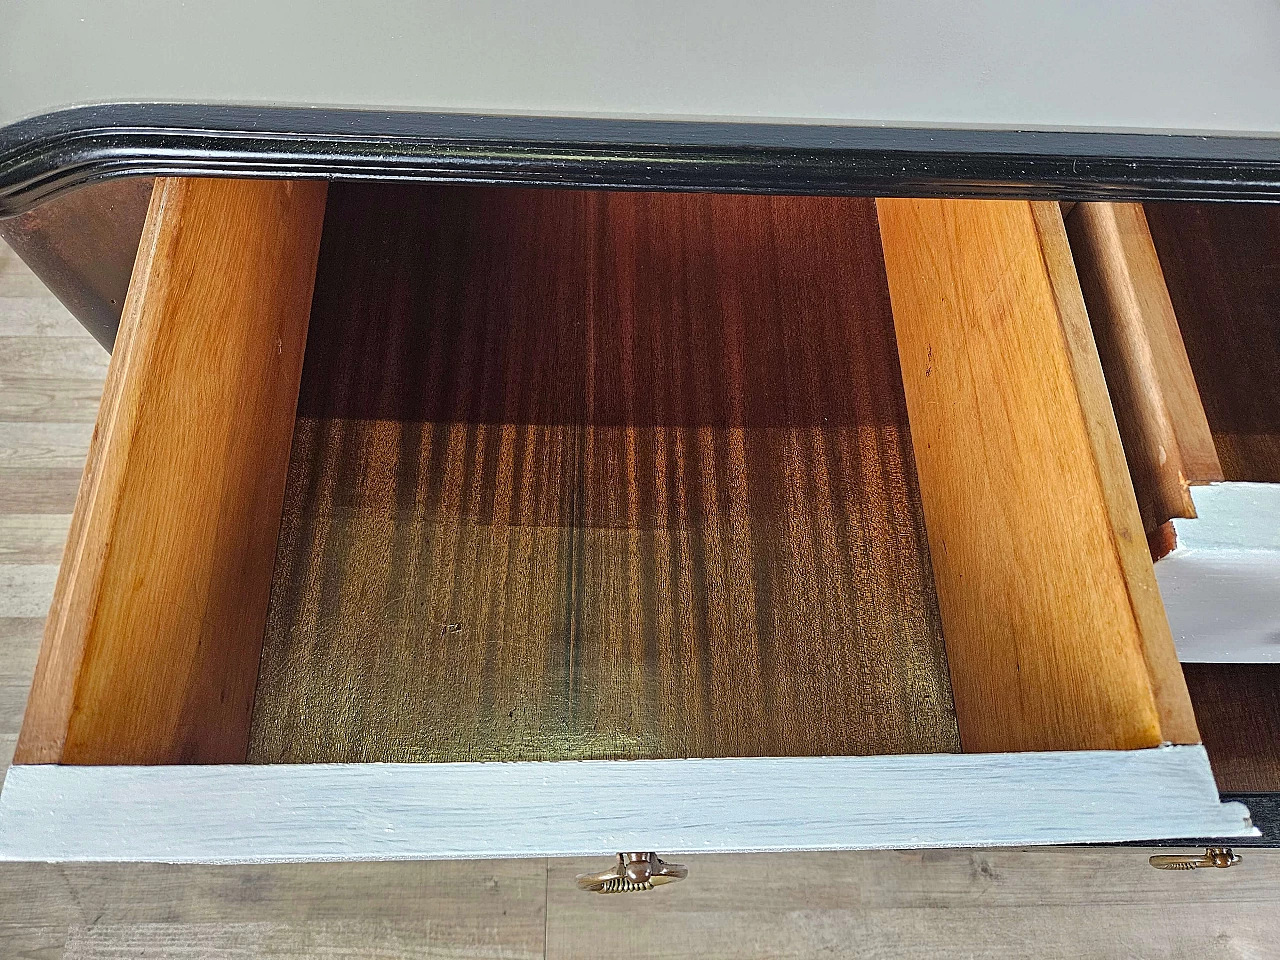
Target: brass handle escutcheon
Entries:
(632, 872)
(1222, 857)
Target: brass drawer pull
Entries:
(1222, 857)
(632, 872)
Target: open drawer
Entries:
(1185, 304)
(601, 521)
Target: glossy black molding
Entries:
(48, 155)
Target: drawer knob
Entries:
(1222, 857)
(632, 872)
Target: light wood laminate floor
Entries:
(961, 903)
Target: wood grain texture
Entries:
(1238, 705)
(600, 475)
(51, 372)
(471, 909)
(1059, 904)
(38, 314)
(19, 644)
(32, 537)
(37, 445)
(27, 357)
(47, 400)
(151, 646)
(1169, 690)
(430, 811)
(1046, 904)
(25, 588)
(1153, 392)
(1222, 266)
(1055, 633)
(39, 489)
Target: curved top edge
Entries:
(396, 123)
(43, 156)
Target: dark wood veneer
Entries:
(1222, 266)
(600, 475)
(1238, 709)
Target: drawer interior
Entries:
(578, 474)
(589, 475)
(1238, 709)
(1222, 266)
(1185, 304)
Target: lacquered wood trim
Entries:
(241, 814)
(1054, 631)
(152, 643)
(1153, 391)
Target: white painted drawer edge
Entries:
(1221, 585)
(315, 812)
